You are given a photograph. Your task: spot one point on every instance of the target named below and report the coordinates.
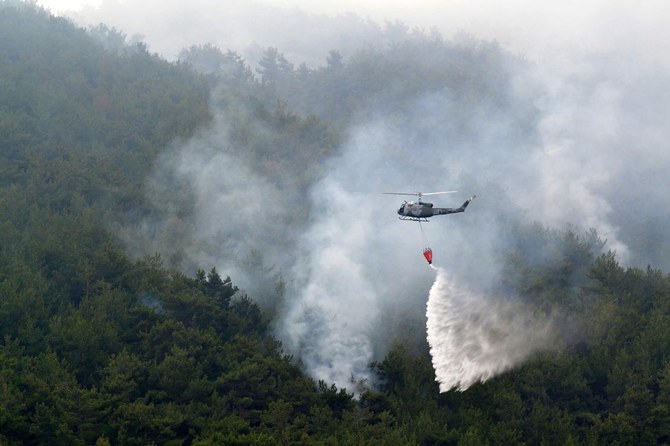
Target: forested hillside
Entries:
(101, 347)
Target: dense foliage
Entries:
(99, 348)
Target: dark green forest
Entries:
(98, 347)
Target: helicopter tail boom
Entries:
(443, 211)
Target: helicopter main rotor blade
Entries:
(439, 193)
(402, 193)
(420, 194)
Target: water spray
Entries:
(473, 338)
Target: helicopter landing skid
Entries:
(414, 219)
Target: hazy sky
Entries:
(534, 28)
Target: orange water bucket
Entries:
(428, 254)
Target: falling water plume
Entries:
(474, 337)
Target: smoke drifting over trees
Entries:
(271, 185)
(293, 218)
(266, 163)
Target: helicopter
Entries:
(421, 211)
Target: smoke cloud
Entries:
(571, 132)
(214, 209)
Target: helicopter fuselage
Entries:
(422, 211)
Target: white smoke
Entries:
(356, 271)
(592, 151)
(474, 337)
(326, 322)
(334, 317)
(216, 209)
